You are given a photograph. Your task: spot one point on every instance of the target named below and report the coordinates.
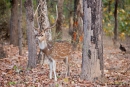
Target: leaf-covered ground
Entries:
(117, 64)
(14, 72)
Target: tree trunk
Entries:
(43, 23)
(116, 22)
(75, 8)
(43, 18)
(19, 27)
(74, 35)
(30, 34)
(109, 6)
(80, 24)
(92, 60)
(60, 19)
(14, 23)
(70, 23)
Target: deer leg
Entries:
(67, 67)
(42, 58)
(68, 70)
(51, 67)
(54, 69)
(39, 57)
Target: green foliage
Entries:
(4, 7)
(124, 21)
(11, 83)
(4, 18)
(4, 14)
(123, 17)
(57, 85)
(67, 7)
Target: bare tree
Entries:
(20, 27)
(14, 23)
(43, 18)
(92, 60)
(30, 34)
(74, 33)
(116, 22)
(78, 23)
(60, 19)
(109, 6)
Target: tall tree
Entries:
(60, 19)
(116, 22)
(30, 34)
(74, 35)
(19, 27)
(14, 23)
(43, 18)
(92, 60)
(109, 6)
(79, 22)
(43, 23)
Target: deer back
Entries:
(61, 50)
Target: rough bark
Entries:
(116, 22)
(74, 35)
(92, 60)
(20, 27)
(60, 19)
(14, 23)
(43, 18)
(70, 23)
(2, 52)
(75, 8)
(30, 34)
(78, 23)
(43, 22)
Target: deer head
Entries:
(41, 35)
(42, 40)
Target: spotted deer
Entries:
(55, 52)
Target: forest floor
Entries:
(117, 63)
(14, 72)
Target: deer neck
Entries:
(42, 44)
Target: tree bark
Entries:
(116, 22)
(43, 23)
(74, 40)
(109, 6)
(30, 34)
(60, 19)
(43, 18)
(20, 27)
(80, 23)
(92, 60)
(14, 23)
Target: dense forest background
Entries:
(68, 8)
(123, 17)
